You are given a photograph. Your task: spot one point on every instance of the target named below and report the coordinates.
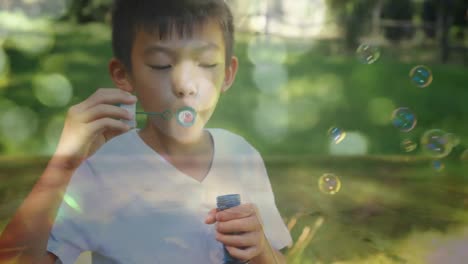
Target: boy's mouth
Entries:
(186, 116)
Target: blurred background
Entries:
(358, 107)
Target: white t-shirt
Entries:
(127, 204)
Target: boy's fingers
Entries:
(241, 240)
(241, 211)
(105, 110)
(108, 96)
(248, 224)
(243, 254)
(107, 124)
(211, 217)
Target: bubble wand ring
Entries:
(186, 116)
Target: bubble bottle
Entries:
(225, 202)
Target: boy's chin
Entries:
(187, 136)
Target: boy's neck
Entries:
(167, 146)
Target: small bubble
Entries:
(337, 135)
(438, 165)
(404, 119)
(186, 116)
(329, 184)
(421, 76)
(408, 145)
(435, 143)
(368, 54)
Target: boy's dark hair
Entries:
(130, 16)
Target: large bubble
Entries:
(435, 143)
(367, 53)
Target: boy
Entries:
(149, 195)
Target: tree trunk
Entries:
(444, 21)
(376, 14)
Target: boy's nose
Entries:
(183, 83)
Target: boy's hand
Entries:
(240, 230)
(90, 124)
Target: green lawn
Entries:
(392, 206)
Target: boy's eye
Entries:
(208, 65)
(160, 67)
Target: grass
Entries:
(392, 206)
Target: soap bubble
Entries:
(336, 134)
(438, 165)
(186, 116)
(408, 145)
(404, 119)
(329, 184)
(435, 143)
(421, 76)
(367, 53)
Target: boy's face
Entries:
(181, 72)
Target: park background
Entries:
(299, 76)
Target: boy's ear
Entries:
(120, 76)
(230, 74)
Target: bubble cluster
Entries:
(408, 145)
(404, 119)
(435, 143)
(186, 116)
(337, 135)
(368, 54)
(421, 76)
(329, 184)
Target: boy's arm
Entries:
(87, 127)
(24, 239)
